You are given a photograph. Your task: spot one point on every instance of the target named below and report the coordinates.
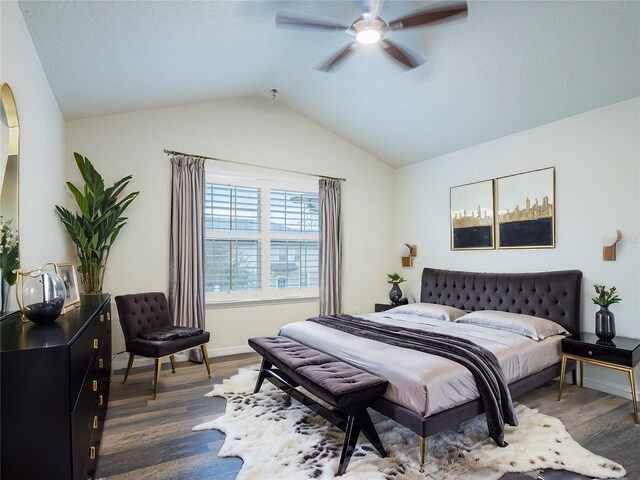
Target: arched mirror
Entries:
(9, 182)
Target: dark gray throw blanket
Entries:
(482, 364)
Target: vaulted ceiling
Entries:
(506, 67)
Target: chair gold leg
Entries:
(126, 374)
(423, 452)
(562, 372)
(205, 358)
(173, 363)
(157, 379)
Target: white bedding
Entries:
(424, 383)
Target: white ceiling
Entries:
(508, 67)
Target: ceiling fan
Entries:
(370, 30)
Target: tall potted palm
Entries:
(96, 226)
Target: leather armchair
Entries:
(149, 332)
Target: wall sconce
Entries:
(609, 251)
(408, 261)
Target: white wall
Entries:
(597, 160)
(245, 130)
(42, 164)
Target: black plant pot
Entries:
(605, 324)
(395, 294)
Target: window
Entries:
(262, 238)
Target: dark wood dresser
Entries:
(54, 392)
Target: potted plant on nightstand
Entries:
(395, 294)
(605, 321)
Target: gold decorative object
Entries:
(609, 251)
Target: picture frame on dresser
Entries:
(526, 210)
(472, 216)
(67, 272)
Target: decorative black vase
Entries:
(605, 324)
(395, 294)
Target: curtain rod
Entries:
(173, 152)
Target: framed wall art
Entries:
(67, 272)
(472, 216)
(525, 205)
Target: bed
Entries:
(430, 394)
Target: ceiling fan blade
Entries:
(338, 58)
(399, 54)
(430, 15)
(285, 20)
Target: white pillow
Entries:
(429, 310)
(527, 325)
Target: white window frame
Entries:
(265, 235)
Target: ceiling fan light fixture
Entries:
(368, 36)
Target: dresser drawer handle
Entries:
(102, 317)
(95, 422)
(95, 343)
(100, 400)
(92, 453)
(95, 385)
(108, 315)
(590, 353)
(100, 363)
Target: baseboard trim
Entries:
(224, 351)
(609, 387)
(121, 359)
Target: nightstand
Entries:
(621, 354)
(382, 307)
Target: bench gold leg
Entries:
(173, 363)
(423, 452)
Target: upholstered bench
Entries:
(349, 390)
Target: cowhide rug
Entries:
(277, 437)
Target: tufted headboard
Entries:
(551, 295)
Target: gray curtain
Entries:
(330, 247)
(186, 251)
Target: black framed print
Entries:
(472, 216)
(525, 205)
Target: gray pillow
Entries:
(533, 327)
(429, 310)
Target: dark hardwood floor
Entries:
(147, 439)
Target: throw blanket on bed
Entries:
(482, 364)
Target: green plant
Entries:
(395, 278)
(95, 228)
(605, 296)
(9, 248)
